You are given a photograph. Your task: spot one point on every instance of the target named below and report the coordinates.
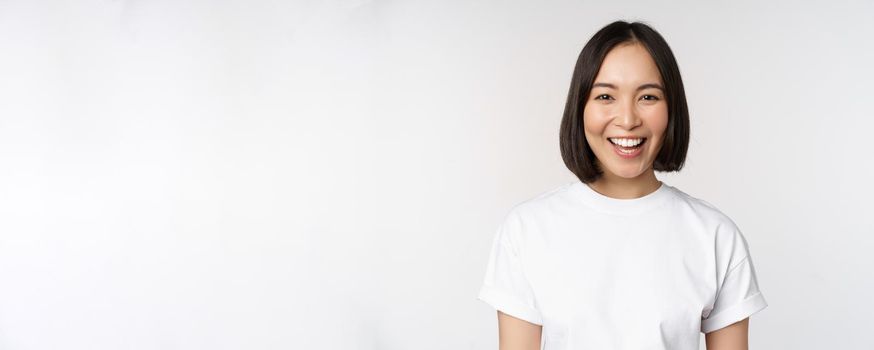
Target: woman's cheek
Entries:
(595, 116)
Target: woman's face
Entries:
(627, 101)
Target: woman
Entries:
(619, 259)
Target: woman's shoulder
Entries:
(542, 202)
(702, 209)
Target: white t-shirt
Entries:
(604, 273)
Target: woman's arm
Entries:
(732, 337)
(517, 334)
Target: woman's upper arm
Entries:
(517, 334)
(732, 337)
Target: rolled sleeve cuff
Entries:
(738, 312)
(509, 305)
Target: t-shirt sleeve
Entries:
(505, 286)
(738, 295)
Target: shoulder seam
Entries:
(738, 264)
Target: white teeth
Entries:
(626, 142)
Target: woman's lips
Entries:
(628, 152)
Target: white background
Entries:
(329, 175)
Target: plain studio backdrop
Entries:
(329, 175)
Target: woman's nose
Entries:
(627, 117)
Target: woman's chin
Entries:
(627, 172)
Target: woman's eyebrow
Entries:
(606, 85)
(650, 85)
(641, 87)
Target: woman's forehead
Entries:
(630, 65)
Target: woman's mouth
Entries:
(627, 147)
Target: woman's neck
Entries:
(617, 187)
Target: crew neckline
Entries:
(617, 206)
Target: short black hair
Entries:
(575, 150)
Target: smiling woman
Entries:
(626, 85)
(619, 259)
(626, 109)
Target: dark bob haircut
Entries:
(575, 150)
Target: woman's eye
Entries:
(650, 97)
(603, 97)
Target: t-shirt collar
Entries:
(617, 206)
